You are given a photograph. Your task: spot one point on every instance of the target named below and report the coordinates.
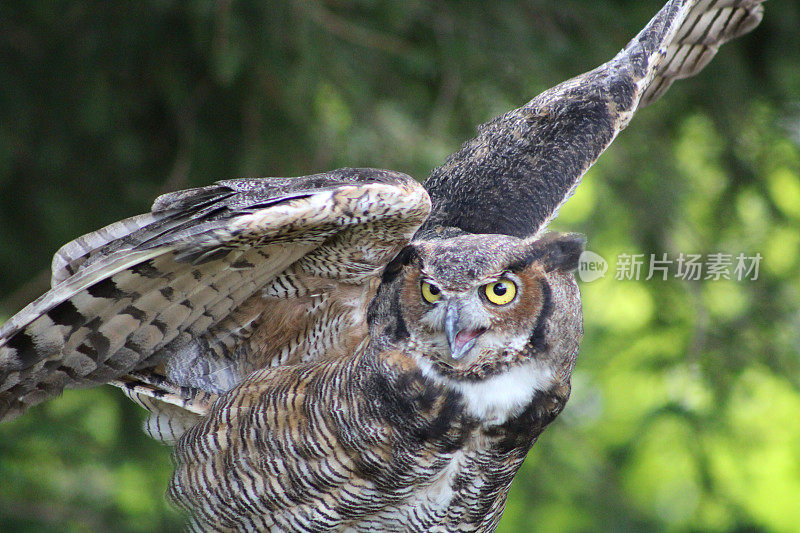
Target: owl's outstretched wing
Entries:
(213, 283)
(514, 176)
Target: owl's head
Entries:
(493, 316)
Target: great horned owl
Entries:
(352, 350)
(470, 347)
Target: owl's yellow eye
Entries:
(430, 293)
(500, 292)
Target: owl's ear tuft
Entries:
(562, 251)
(405, 257)
(554, 251)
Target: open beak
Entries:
(460, 340)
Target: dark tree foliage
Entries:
(686, 396)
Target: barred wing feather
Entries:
(212, 284)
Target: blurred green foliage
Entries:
(684, 415)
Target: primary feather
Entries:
(515, 175)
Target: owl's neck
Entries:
(499, 397)
(513, 406)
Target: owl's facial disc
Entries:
(459, 336)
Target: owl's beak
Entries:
(460, 340)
